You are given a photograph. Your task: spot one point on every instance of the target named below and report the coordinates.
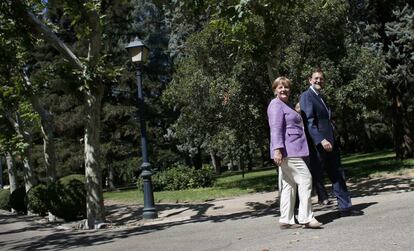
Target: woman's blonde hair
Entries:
(281, 81)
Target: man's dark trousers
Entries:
(316, 170)
(330, 162)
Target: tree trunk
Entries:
(49, 151)
(403, 139)
(270, 72)
(197, 159)
(47, 128)
(93, 173)
(12, 172)
(111, 178)
(242, 165)
(216, 162)
(233, 167)
(249, 163)
(249, 159)
(28, 173)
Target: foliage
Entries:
(385, 27)
(215, 87)
(37, 199)
(64, 198)
(67, 197)
(5, 199)
(181, 177)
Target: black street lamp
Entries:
(138, 52)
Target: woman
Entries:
(288, 147)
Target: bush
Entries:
(5, 199)
(179, 178)
(18, 200)
(37, 199)
(67, 197)
(68, 179)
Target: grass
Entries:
(227, 186)
(233, 184)
(374, 164)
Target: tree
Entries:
(215, 87)
(88, 20)
(386, 28)
(400, 77)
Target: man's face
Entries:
(317, 80)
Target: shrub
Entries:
(203, 177)
(37, 199)
(5, 199)
(68, 179)
(179, 178)
(18, 200)
(67, 197)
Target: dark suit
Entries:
(317, 119)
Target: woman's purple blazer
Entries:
(286, 130)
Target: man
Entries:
(317, 119)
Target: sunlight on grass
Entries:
(182, 196)
(228, 186)
(374, 164)
(233, 184)
(355, 158)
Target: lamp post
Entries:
(138, 52)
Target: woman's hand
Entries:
(278, 158)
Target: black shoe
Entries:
(351, 213)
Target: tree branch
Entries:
(45, 32)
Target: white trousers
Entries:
(293, 173)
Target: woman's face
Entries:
(282, 92)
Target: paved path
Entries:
(388, 224)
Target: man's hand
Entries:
(326, 145)
(278, 157)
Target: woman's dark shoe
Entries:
(284, 226)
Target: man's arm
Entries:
(307, 108)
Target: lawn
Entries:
(374, 164)
(228, 186)
(234, 184)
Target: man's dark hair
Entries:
(316, 69)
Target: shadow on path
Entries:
(29, 237)
(61, 240)
(373, 186)
(333, 215)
